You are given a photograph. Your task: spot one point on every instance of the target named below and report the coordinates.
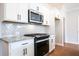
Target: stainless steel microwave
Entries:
(35, 16)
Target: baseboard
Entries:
(59, 44)
(50, 52)
(71, 42)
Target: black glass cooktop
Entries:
(36, 34)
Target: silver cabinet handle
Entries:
(24, 51)
(18, 17)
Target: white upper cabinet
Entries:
(10, 11)
(34, 6)
(22, 12)
(46, 17)
(45, 11)
(17, 12)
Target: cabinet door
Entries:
(45, 11)
(34, 6)
(46, 17)
(23, 12)
(15, 50)
(10, 12)
(30, 49)
(51, 43)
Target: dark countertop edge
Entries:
(4, 40)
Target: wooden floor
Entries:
(67, 50)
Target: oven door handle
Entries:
(41, 40)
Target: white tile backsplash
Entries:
(24, 29)
(9, 29)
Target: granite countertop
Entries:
(11, 39)
(15, 38)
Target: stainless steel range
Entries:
(41, 43)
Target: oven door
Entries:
(41, 47)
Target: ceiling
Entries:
(55, 5)
(71, 6)
(67, 6)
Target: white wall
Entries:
(72, 27)
(1, 11)
(71, 23)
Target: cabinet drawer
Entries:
(24, 42)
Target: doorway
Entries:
(60, 31)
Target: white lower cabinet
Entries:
(51, 43)
(30, 49)
(22, 48)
